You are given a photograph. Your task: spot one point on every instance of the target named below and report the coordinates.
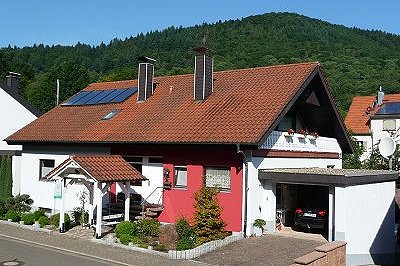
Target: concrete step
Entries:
(155, 209)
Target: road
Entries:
(31, 254)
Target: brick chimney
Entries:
(12, 80)
(145, 78)
(203, 73)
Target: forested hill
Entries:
(356, 61)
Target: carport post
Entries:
(331, 213)
(99, 195)
(127, 200)
(63, 190)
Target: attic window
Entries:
(111, 114)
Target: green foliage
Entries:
(140, 241)
(356, 61)
(80, 217)
(377, 162)
(5, 176)
(160, 247)
(20, 203)
(125, 238)
(38, 213)
(208, 222)
(187, 237)
(259, 223)
(13, 215)
(352, 161)
(28, 218)
(126, 228)
(148, 227)
(55, 220)
(43, 221)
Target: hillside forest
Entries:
(356, 61)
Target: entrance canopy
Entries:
(96, 172)
(101, 168)
(328, 176)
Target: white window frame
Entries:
(44, 170)
(178, 169)
(217, 181)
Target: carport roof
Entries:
(328, 176)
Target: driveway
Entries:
(273, 250)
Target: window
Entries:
(180, 177)
(156, 160)
(45, 167)
(111, 114)
(136, 162)
(218, 177)
(389, 124)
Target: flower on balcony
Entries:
(315, 135)
(290, 132)
(304, 132)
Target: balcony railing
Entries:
(297, 142)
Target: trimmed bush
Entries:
(43, 221)
(125, 238)
(13, 215)
(55, 220)
(125, 228)
(37, 214)
(28, 218)
(148, 227)
(185, 243)
(160, 247)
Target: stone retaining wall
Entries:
(330, 254)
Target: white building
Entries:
(230, 129)
(17, 113)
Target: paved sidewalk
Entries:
(268, 250)
(74, 244)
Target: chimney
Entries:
(12, 79)
(380, 96)
(145, 78)
(203, 73)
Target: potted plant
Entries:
(303, 132)
(259, 223)
(314, 135)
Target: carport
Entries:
(361, 206)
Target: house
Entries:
(227, 129)
(371, 118)
(17, 112)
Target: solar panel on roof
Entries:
(389, 109)
(98, 97)
(101, 96)
(124, 95)
(75, 98)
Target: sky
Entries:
(66, 22)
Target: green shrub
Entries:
(148, 227)
(37, 214)
(125, 238)
(27, 218)
(139, 240)
(55, 220)
(20, 203)
(260, 223)
(80, 217)
(183, 228)
(125, 228)
(185, 243)
(160, 247)
(43, 221)
(13, 215)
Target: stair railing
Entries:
(151, 194)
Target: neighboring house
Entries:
(17, 113)
(370, 120)
(227, 129)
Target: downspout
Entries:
(246, 188)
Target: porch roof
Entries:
(328, 176)
(103, 168)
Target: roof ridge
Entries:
(222, 71)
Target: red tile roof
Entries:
(105, 168)
(244, 105)
(357, 119)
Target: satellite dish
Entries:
(387, 146)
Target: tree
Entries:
(208, 222)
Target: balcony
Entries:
(278, 140)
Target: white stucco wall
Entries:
(365, 220)
(17, 116)
(367, 140)
(42, 192)
(261, 195)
